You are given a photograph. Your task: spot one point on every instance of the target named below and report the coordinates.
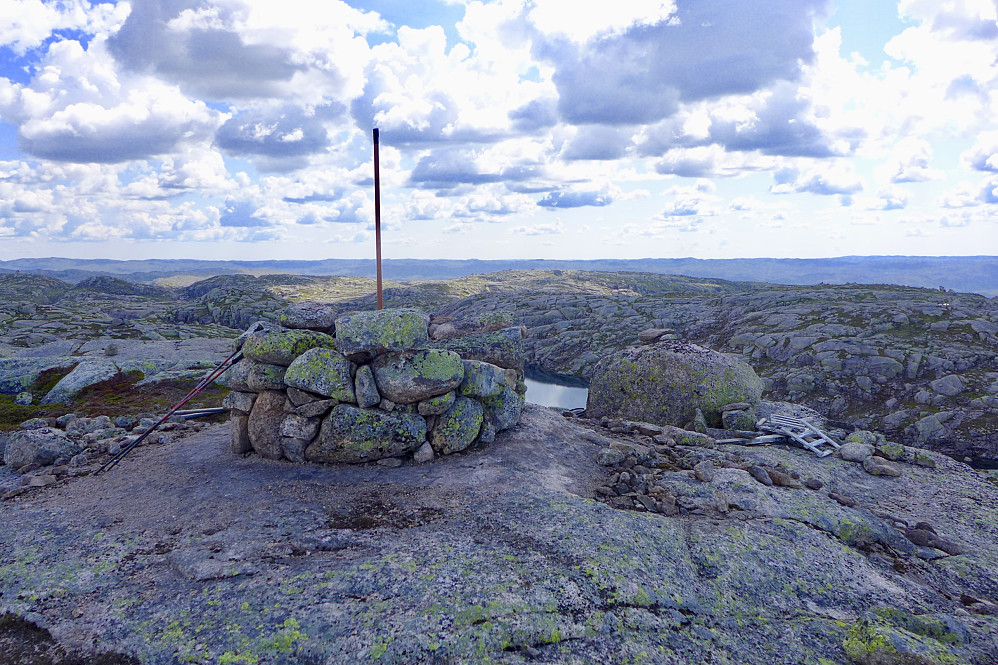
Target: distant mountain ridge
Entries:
(971, 274)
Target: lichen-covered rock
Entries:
(262, 376)
(436, 406)
(738, 420)
(309, 316)
(412, 376)
(667, 382)
(237, 378)
(371, 333)
(482, 379)
(352, 435)
(457, 429)
(891, 451)
(365, 388)
(323, 372)
(37, 446)
(503, 409)
(501, 347)
(264, 426)
(281, 347)
(24, 398)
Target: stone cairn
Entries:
(374, 386)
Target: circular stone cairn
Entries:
(372, 385)
(667, 382)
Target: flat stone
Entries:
(261, 376)
(377, 332)
(239, 401)
(281, 347)
(315, 409)
(878, 466)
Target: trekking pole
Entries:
(202, 384)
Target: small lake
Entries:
(556, 390)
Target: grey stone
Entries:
(852, 451)
(294, 449)
(302, 397)
(486, 323)
(37, 447)
(408, 377)
(24, 398)
(265, 424)
(36, 423)
(436, 406)
(239, 444)
(503, 410)
(239, 401)
(237, 378)
(655, 383)
(738, 420)
(365, 388)
(610, 457)
(503, 348)
(878, 466)
(324, 372)
(424, 454)
(377, 332)
(261, 376)
(482, 379)
(652, 334)
(299, 427)
(316, 409)
(761, 475)
(704, 471)
(309, 316)
(458, 428)
(487, 434)
(352, 435)
(87, 373)
(281, 347)
(950, 385)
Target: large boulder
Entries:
(352, 435)
(281, 347)
(667, 382)
(412, 376)
(323, 372)
(37, 446)
(370, 333)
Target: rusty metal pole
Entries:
(377, 214)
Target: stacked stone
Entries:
(371, 386)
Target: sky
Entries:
(561, 129)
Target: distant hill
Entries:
(972, 274)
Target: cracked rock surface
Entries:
(508, 554)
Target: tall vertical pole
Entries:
(377, 214)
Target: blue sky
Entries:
(241, 129)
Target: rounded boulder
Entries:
(667, 382)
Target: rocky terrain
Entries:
(566, 540)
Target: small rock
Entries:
(424, 454)
(878, 466)
(891, 451)
(79, 460)
(846, 501)
(782, 479)
(41, 480)
(24, 399)
(64, 419)
(704, 471)
(390, 462)
(761, 475)
(813, 484)
(922, 459)
(610, 457)
(854, 451)
(722, 502)
(652, 334)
